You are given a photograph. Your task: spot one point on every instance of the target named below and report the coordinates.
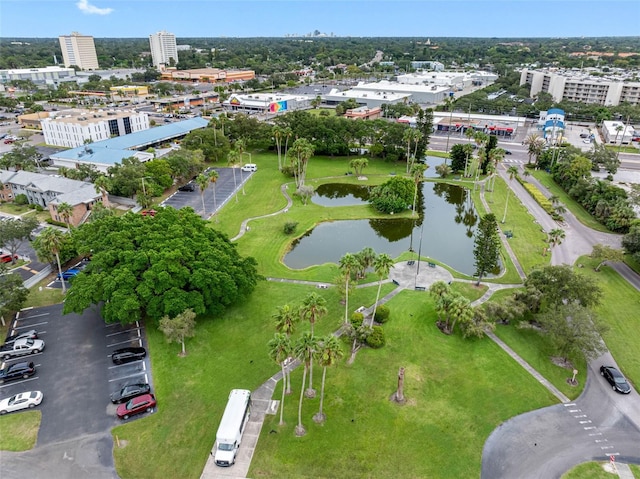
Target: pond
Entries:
(443, 231)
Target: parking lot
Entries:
(75, 372)
(225, 188)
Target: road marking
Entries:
(585, 422)
(126, 377)
(31, 325)
(121, 332)
(35, 316)
(580, 415)
(112, 325)
(574, 410)
(589, 427)
(595, 434)
(601, 440)
(32, 378)
(612, 454)
(606, 447)
(121, 342)
(569, 404)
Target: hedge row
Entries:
(542, 200)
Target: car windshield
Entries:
(129, 405)
(225, 447)
(619, 380)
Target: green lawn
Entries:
(456, 395)
(578, 210)
(19, 430)
(636, 470)
(588, 470)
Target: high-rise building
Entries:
(163, 48)
(79, 50)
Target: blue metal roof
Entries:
(114, 150)
(555, 111)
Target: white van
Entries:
(250, 167)
(234, 419)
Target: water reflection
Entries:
(449, 224)
(338, 194)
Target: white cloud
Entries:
(86, 7)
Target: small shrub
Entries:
(39, 208)
(356, 320)
(21, 199)
(290, 227)
(324, 113)
(382, 314)
(376, 339)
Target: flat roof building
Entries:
(163, 49)
(73, 128)
(271, 103)
(40, 76)
(581, 86)
(79, 50)
(208, 75)
(422, 94)
(368, 98)
(617, 133)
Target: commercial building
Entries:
(617, 133)
(207, 75)
(73, 128)
(551, 123)
(364, 113)
(79, 50)
(427, 65)
(40, 76)
(106, 153)
(367, 98)
(458, 123)
(174, 104)
(269, 103)
(129, 91)
(456, 81)
(423, 94)
(581, 86)
(163, 49)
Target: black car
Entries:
(127, 355)
(31, 334)
(187, 187)
(17, 371)
(508, 152)
(130, 391)
(584, 135)
(616, 379)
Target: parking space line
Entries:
(33, 378)
(123, 332)
(124, 364)
(31, 325)
(112, 325)
(34, 316)
(124, 377)
(123, 342)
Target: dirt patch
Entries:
(561, 362)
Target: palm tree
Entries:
(468, 151)
(513, 172)
(101, 184)
(286, 320)
(278, 134)
(365, 258)
(382, 265)
(280, 349)
(496, 155)
(411, 135)
(203, 181)
(534, 145)
(313, 308)
(233, 158)
(303, 151)
(213, 178)
(304, 351)
(417, 173)
(48, 245)
(347, 264)
(65, 210)
(555, 237)
(329, 352)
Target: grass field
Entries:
(19, 430)
(589, 470)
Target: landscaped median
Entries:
(540, 198)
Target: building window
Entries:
(113, 128)
(127, 125)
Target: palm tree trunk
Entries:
(320, 413)
(284, 387)
(288, 382)
(64, 286)
(375, 305)
(504, 217)
(300, 428)
(346, 301)
(310, 392)
(184, 351)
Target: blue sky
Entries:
(269, 18)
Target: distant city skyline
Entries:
(359, 18)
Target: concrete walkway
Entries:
(244, 227)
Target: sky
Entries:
(359, 18)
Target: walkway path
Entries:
(244, 227)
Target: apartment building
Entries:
(72, 128)
(79, 50)
(163, 49)
(581, 86)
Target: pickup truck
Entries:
(21, 347)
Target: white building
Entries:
(48, 75)
(269, 103)
(163, 48)
(580, 86)
(72, 128)
(427, 65)
(617, 133)
(79, 50)
(422, 94)
(455, 80)
(368, 98)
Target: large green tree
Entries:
(14, 232)
(486, 249)
(158, 266)
(560, 285)
(393, 196)
(13, 294)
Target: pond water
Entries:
(444, 230)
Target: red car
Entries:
(8, 141)
(148, 212)
(144, 403)
(6, 258)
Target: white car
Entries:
(587, 141)
(20, 401)
(250, 167)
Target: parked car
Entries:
(130, 391)
(616, 379)
(187, 187)
(68, 274)
(8, 141)
(21, 347)
(128, 355)
(20, 401)
(31, 334)
(250, 167)
(17, 371)
(7, 258)
(508, 152)
(584, 135)
(137, 405)
(148, 212)
(587, 141)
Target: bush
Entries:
(376, 339)
(382, 314)
(356, 320)
(393, 196)
(21, 199)
(539, 197)
(290, 227)
(39, 208)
